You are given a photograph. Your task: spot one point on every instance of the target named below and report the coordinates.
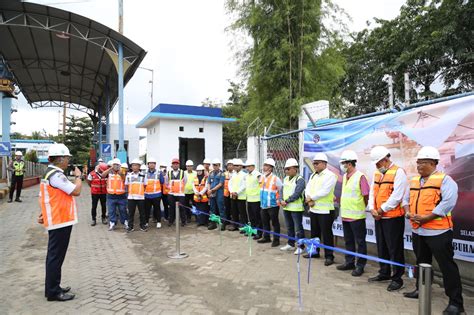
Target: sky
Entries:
(187, 47)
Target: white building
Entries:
(131, 140)
(184, 132)
(26, 145)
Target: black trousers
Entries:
(95, 202)
(242, 207)
(235, 211)
(166, 207)
(58, 243)
(321, 227)
(271, 214)
(389, 237)
(172, 210)
(228, 209)
(441, 247)
(155, 203)
(188, 201)
(132, 206)
(17, 182)
(254, 215)
(354, 237)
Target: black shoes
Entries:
(66, 289)
(453, 310)
(257, 237)
(61, 297)
(212, 226)
(222, 227)
(10, 201)
(93, 223)
(328, 261)
(275, 243)
(358, 271)
(143, 228)
(411, 295)
(345, 266)
(394, 286)
(232, 228)
(379, 278)
(306, 255)
(264, 240)
(104, 221)
(18, 200)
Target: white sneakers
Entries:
(111, 226)
(287, 248)
(298, 251)
(158, 225)
(125, 224)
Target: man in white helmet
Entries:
(165, 191)
(136, 183)
(227, 200)
(385, 203)
(189, 189)
(58, 215)
(238, 195)
(252, 188)
(215, 191)
(428, 204)
(207, 166)
(320, 199)
(116, 194)
(354, 199)
(153, 192)
(17, 167)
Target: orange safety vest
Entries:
(153, 185)
(57, 208)
(199, 186)
(176, 185)
(136, 189)
(226, 184)
(115, 184)
(424, 199)
(165, 189)
(383, 188)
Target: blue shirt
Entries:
(214, 179)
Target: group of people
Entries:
(250, 197)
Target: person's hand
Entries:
(375, 214)
(77, 172)
(283, 203)
(420, 219)
(40, 219)
(311, 203)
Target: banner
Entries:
(447, 125)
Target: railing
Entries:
(31, 169)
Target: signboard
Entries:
(106, 150)
(448, 126)
(5, 148)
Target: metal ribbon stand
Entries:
(178, 254)
(424, 306)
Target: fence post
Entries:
(424, 280)
(178, 254)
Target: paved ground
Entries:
(114, 272)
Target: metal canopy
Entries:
(58, 57)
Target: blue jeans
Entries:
(121, 204)
(217, 206)
(294, 221)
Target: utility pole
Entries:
(121, 153)
(151, 82)
(390, 91)
(407, 89)
(64, 121)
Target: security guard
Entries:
(385, 203)
(58, 215)
(428, 203)
(18, 169)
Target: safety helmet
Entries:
(320, 157)
(200, 168)
(378, 153)
(270, 162)
(231, 161)
(109, 163)
(100, 160)
(175, 160)
(216, 161)
(428, 153)
(348, 155)
(18, 153)
(291, 162)
(189, 163)
(238, 162)
(249, 162)
(103, 166)
(124, 165)
(58, 149)
(206, 161)
(136, 161)
(151, 160)
(142, 167)
(116, 161)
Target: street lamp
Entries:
(151, 82)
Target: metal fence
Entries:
(31, 169)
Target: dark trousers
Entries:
(389, 237)
(172, 208)
(155, 203)
(132, 206)
(202, 218)
(17, 181)
(242, 207)
(188, 202)
(235, 211)
(441, 247)
(321, 227)
(354, 237)
(294, 225)
(166, 207)
(95, 202)
(255, 216)
(271, 214)
(58, 242)
(228, 209)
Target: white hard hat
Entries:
(189, 163)
(142, 167)
(163, 164)
(231, 161)
(109, 163)
(216, 161)
(18, 153)
(428, 153)
(238, 162)
(116, 161)
(320, 157)
(291, 162)
(58, 149)
(206, 161)
(136, 161)
(152, 160)
(200, 168)
(124, 165)
(269, 161)
(378, 153)
(348, 155)
(249, 162)
(100, 160)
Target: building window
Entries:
(201, 129)
(181, 128)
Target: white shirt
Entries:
(60, 181)
(329, 181)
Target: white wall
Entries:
(131, 134)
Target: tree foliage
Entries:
(79, 135)
(31, 156)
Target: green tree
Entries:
(31, 156)
(79, 134)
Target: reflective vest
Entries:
(269, 194)
(424, 199)
(165, 189)
(57, 208)
(289, 186)
(252, 187)
(18, 167)
(188, 188)
(136, 186)
(237, 178)
(176, 184)
(199, 187)
(315, 183)
(352, 201)
(383, 188)
(115, 184)
(153, 185)
(226, 184)
(98, 184)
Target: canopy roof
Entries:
(59, 57)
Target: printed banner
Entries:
(447, 125)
